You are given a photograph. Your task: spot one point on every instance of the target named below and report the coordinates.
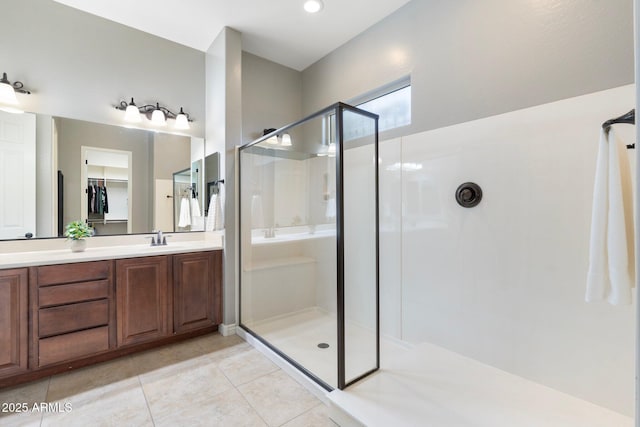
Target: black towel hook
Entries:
(628, 118)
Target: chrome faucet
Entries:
(158, 239)
(269, 232)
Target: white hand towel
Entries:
(331, 209)
(211, 212)
(219, 216)
(195, 207)
(215, 220)
(185, 216)
(611, 274)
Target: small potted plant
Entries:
(77, 231)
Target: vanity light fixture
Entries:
(313, 6)
(157, 117)
(283, 140)
(182, 121)
(131, 113)
(8, 100)
(157, 114)
(327, 150)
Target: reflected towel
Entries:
(611, 274)
(185, 216)
(195, 207)
(331, 209)
(257, 216)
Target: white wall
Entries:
(504, 282)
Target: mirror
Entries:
(130, 173)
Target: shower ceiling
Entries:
(279, 30)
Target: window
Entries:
(392, 102)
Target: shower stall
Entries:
(309, 264)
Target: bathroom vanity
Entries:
(63, 315)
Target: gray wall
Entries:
(72, 134)
(470, 59)
(80, 66)
(171, 153)
(271, 96)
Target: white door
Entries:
(17, 175)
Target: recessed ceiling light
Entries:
(313, 6)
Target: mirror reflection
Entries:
(119, 180)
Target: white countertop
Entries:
(65, 256)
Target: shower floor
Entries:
(298, 334)
(425, 384)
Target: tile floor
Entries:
(207, 381)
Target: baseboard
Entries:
(226, 330)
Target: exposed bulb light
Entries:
(182, 122)
(8, 99)
(286, 140)
(157, 114)
(157, 117)
(313, 6)
(132, 114)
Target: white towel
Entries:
(331, 209)
(219, 215)
(195, 207)
(611, 274)
(185, 216)
(257, 216)
(211, 212)
(214, 217)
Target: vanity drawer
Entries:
(73, 345)
(76, 292)
(72, 317)
(70, 273)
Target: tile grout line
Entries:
(243, 396)
(46, 399)
(146, 401)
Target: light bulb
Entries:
(182, 122)
(313, 6)
(158, 118)
(132, 114)
(8, 100)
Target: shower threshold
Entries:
(429, 385)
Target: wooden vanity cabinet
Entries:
(59, 317)
(13, 322)
(142, 289)
(197, 299)
(73, 311)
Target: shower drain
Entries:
(323, 345)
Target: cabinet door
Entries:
(196, 290)
(13, 321)
(142, 307)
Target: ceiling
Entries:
(279, 30)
